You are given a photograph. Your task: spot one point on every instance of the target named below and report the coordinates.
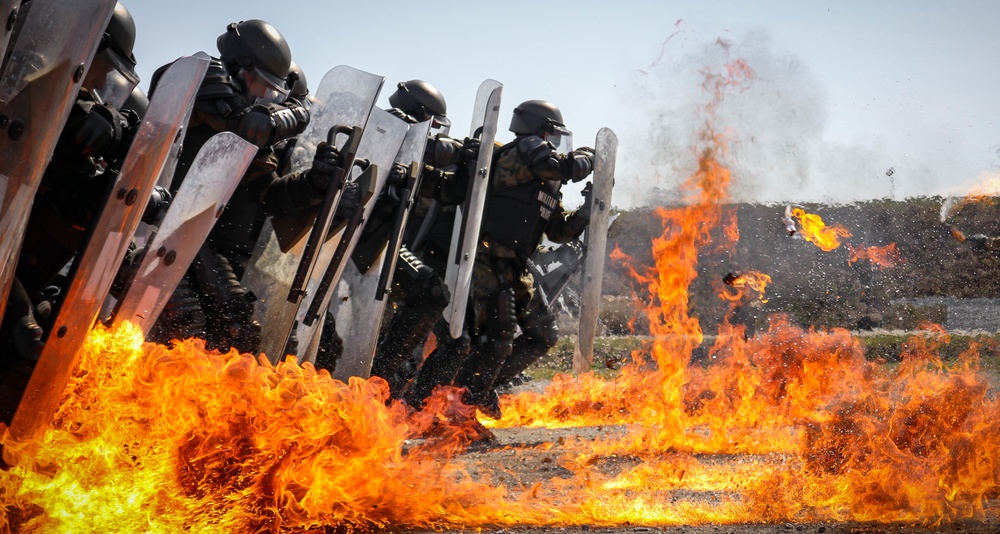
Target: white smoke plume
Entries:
(775, 126)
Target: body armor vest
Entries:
(516, 216)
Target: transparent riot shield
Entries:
(214, 175)
(38, 87)
(8, 21)
(606, 150)
(465, 236)
(357, 306)
(144, 233)
(109, 236)
(345, 98)
(380, 145)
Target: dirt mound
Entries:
(827, 289)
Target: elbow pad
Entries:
(266, 125)
(539, 154)
(290, 120)
(442, 151)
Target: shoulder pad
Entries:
(399, 114)
(534, 149)
(217, 82)
(530, 143)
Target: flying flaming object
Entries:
(812, 228)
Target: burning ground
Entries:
(792, 428)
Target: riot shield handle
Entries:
(405, 202)
(353, 224)
(326, 211)
(467, 202)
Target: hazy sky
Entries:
(843, 91)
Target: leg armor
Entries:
(20, 325)
(539, 334)
(422, 298)
(440, 367)
(229, 306)
(20, 347)
(331, 346)
(183, 316)
(480, 369)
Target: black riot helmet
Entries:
(541, 118)
(297, 79)
(111, 75)
(120, 33)
(258, 55)
(421, 101)
(137, 101)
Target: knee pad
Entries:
(417, 284)
(542, 328)
(503, 343)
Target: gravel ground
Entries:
(526, 455)
(967, 315)
(524, 461)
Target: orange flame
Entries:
(151, 439)
(881, 257)
(853, 441)
(752, 280)
(815, 231)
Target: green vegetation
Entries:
(610, 353)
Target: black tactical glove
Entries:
(588, 200)
(99, 130)
(157, 205)
(470, 149)
(256, 126)
(350, 199)
(324, 166)
(581, 163)
(396, 181)
(130, 127)
(398, 174)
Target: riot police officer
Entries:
(73, 189)
(246, 91)
(419, 295)
(523, 204)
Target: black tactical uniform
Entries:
(523, 204)
(247, 91)
(418, 295)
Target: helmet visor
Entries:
(557, 134)
(440, 125)
(563, 142)
(111, 78)
(263, 87)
